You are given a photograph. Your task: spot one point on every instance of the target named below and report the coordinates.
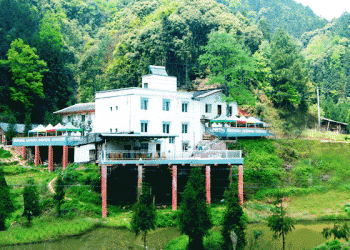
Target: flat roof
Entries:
(343, 123)
(115, 135)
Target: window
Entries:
(144, 146)
(110, 130)
(166, 127)
(69, 118)
(116, 107)
(111, 109)
(144, 126)
(184, 107)
(144, 103)
(83, 118)
(145, 85)
(171, 140)
(207, 108)
(229, 110)
(219, 109)
(184, 128)
(166, 104)
(116, 130)
(185, 146)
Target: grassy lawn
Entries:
(327, 135)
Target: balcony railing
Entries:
(233, 132)
(45, 140)
(122, 155)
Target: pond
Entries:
(305, 236)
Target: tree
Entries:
(26, 69)
(194, 214)
(230, 66)
(11, 130)
(145, 215)
(59, 194)
(27, 124)
(339, 232)
(278, 222)
(234, 219)
(30, 200)
(6, 205)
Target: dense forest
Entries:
(269, 56)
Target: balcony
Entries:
(238, 132)
(185, 157)
(46, 141)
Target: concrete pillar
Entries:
(174, 189)
(207, 184)
(50, 156)
(65, 157)
(139, 180)
(240, 184)
(104, 190)
(24, 152)
(36, 156)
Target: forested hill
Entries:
(293, 17)
(269, 55)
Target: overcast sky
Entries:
(328, 9)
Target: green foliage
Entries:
(27, 73)
(194, 214)
(338, 232)
(11, 132)
(59, 194)
(6, 204)
(5, 153)
(230, 66)
(212, 241)
(30, 200)
(278, 222)
(332, 245)
(145, 216)
(167, 219)
(234, 220)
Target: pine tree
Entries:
(194, 214)
(278, 222)
(145, 216)
(233, 219)
(28, 124)
(11, 130)
(31, 200)
(59, 194)
(6, 205)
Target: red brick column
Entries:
(174, 189)
(36, 156)
(240, 184)
(24, 151)
(65, 157)
(104, 190)
(207, 184)
(50, 167)
(139, 180)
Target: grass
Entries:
(46, 230)
(326, 135)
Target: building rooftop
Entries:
(157, 70)
(77, 108)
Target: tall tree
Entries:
(194, 214)
(6, 205)
(230, 66)
(145, 215)
(59, 194)
(30, 200)
(27, 73)
(234, 219)
(279, 222)
(11, 130)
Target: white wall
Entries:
(215, 100)
(82, 154)
(157, 82)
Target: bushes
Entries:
(5, 153)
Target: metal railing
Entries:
(248, 130)
(122, 155)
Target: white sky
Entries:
(328, 9)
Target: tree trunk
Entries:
(195, 243)
(144, 240)
(283, 240)
(2, 225)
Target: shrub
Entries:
(5, 154)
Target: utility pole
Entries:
(318, 106)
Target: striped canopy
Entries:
(253, 120)
(219, 119)
(38, 129)
(54, 129)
